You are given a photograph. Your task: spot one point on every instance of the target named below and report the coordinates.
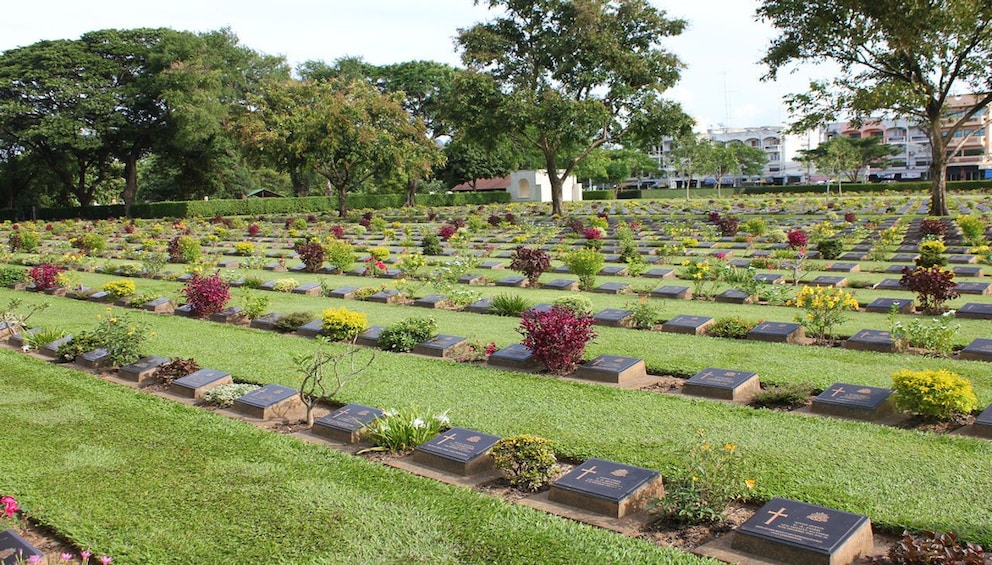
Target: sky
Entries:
(721, 47)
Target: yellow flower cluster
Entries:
(824, 298)
(934, 246)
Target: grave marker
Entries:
(231, 315)
(311, 329)
(691, 325)
(562, 284)
(612, 288)
(370, 337)
(844, 267)
(266, 322)
(142, 369)
(159, 306)
(439, 346)
(983, 424)
(271, 401)
(871, 340)
(673, 292)
(480, 306)
(980, 349)
(884, 305)
(889, 284)
(346, 423)
(974, 310)
(612, 369)
(513, 280)
(612, 317)
(795, 532)
(51, 349)
(659, 274)
(779, 332)
(613, 271)
(344, 293)
(979, 288)
(195, 384)
(387, 296)
(770, 278)
(515, 356)
(836, 282)
(967, 271)
(723, 384)
(14, 549)
(858, 402)
(308, 289)
(733, 296)
(606, 487)
(458, 451)
(96, 359)
(430, 301)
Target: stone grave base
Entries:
(884, 410)
(335, 434)
(741, 393)
(291, 408)
(480, 464)
(409, 465)
(861, 542)
(634, 503)
(722, 548)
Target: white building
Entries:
(535, 186)
(782, 150)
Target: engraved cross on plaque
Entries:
(448, 437)
(780, 514)
(589, 471)
(837, 391)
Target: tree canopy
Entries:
(564, 78)
(901, 57)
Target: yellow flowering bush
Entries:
(119, 288)
(935, 393)
(823, 308)
(340, 323)
(244, 248)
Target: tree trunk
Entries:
(296, 178)
(938, 177)
(342, 201)
(556, 184)
(130, 182)
(411, 191)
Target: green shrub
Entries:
(9, 276)
(528, 461)
(935, 393)
(405, 334)
(431, 244)
(223, 396)
(755, 226)
(292, 322)
(244, 248)
(643, 313)
(585, 264)
(285, 285)
(340, 254)
(255, 304)
(508, 304)
(733, 327)
(787, 396)
(972, 228)
(578, 303)
(830, 249)
(119, 288)
(342, 324)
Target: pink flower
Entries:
(85, 554)
(104, 560)
(35, 559)
(9, 505)
(65, 557)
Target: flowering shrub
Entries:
(244, 248)
(43, 276)
(206, 295)
(935, 337)
(823, 308)
(399, 431)
(23, 240)
(89, 243)
(933, 287)
(342, 324)
(933, 227)
(340, 254)
(9, 506)
(336, 231)
(934, 393)
(797, 239)
(972, 228)
(594, 237)
(253, 230)
(527, 461)
(312, 254)
(703, 275)
(585, 264)
(557, 337)
(285, 285)
(712, 479)
(379, 253)
(121, 337)
(119, 288)
(374, 267)
(728, 225)
(531, 262)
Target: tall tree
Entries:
(565, 77)
(346, 131)
(747, 161)
(836, 157)
(903, 57)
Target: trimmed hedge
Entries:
(257, 206)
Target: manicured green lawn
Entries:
(899, 478)
(147, 480)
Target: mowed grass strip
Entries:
(899, 478)
(147, 480)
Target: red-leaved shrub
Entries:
(797, 239)
(206, 295)
(933, 227)
(446, 231)
(44, 275)
(531, 262)
(557, 337)
(933, 287)
(312, 254)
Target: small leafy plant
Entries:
(292, 322)
(44, 275)
(398, 431)
(312, 254)
(830, 249)
(531, 263)
(643, 313)
(937, 393)
(223, 396)
(786, 396)
(119, 288)
(206, 295)
(529, 462)
(325, 373)
(504, 304)
(933, 287)
(731, 327)
(285, 285)
(341, 324)
(585, 264)
(177, 368)
(405, 334)
(823, 308)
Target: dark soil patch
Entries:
(689, 537)
(668, 384)
(927, 424)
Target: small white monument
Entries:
(535, 186)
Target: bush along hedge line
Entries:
(253, 206)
